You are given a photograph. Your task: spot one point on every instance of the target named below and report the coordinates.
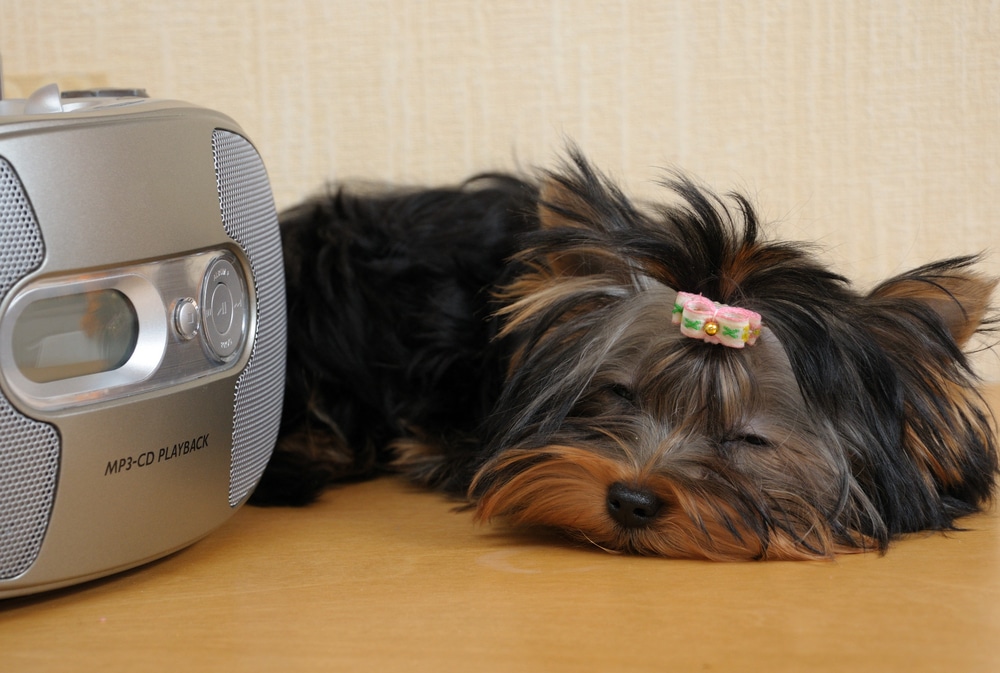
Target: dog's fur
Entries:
(511, 341)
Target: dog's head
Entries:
(848, 420)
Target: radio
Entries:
(142, 331)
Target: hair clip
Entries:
(701, 318)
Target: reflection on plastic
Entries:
(74, 335)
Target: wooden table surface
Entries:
(383, 577)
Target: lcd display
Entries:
(74, 335)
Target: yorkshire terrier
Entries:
(659, 380)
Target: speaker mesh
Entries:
(29, 449)
(250, 219)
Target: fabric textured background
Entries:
(869, 128)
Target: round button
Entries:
(225, 313)
(186, 318)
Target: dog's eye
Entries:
(622, 392)
(749, 439)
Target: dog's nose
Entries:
(632, 506)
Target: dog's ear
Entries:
(580, 215)
(563, 203)
(575, 262)
(958, 296)
(564, 213)
(920, 321)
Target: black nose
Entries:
(632, 506)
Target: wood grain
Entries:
(382, 577)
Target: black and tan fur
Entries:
(510, 341)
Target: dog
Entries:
(653, 379)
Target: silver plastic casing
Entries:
(162, 202)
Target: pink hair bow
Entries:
(701, 318)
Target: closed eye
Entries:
(622, 392)
(604, 400)
(750, 439)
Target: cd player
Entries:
(142, 330)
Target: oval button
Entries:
(224, 308)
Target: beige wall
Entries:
(869, 127)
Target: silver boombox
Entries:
(142, 331)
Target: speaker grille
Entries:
(29, 449)
(250, 219)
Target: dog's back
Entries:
(389, 303)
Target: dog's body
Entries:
(517, 343)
